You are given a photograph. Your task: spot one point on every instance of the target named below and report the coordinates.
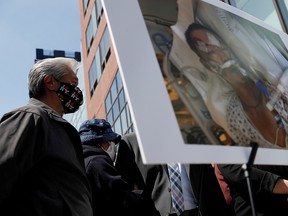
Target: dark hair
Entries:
(192, 27)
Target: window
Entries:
(102, 54)
(48, 52)
(267, 13)
(94, 20)
(69, 54)
(85, 5)
(105, 48)
(101, 57)
(95, 73)
(93, 77)
(91, 29)
(89, 35)
(99, 10)
(117, 110)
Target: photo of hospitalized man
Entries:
(253, 112)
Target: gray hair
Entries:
(57, 67)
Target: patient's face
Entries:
(211, 50)
(214, 54)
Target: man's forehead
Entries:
(207, 38)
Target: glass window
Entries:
(105, 43)
(119, 81)
(267, 12)
(95, 73)
(98, 64)
(99, 10)
(85, 4)
(104, 49)
(109, 117)
(124, 120)
(91, 29)
(94, 20)
(118, 113)
(117, 126)
(121, 99)
(89, 35)
(48, 52)
(113, 91)
(108, 102)
(92, 77)
(115, 108)
(69, 54)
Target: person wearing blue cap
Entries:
(111, 193)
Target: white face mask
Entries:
(111, 151)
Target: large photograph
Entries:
(204, 81)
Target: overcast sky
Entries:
(26, 25)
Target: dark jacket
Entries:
(207, 191)
(262, 179)
(112, 195)
(41, 165)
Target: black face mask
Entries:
(71, 97)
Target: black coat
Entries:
(208, 194)
(262, 180)
(41, 165)
(111, 194)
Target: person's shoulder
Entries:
(32, 109)
(98, 162)
(97, 156)
(130, 137)
(131, 134)
(23, 110)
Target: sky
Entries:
(26, 25)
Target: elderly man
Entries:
(41, 166)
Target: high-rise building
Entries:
(45, 53)
(105, 96)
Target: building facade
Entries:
(105, 97)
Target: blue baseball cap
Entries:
(97, 131)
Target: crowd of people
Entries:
(48, 167)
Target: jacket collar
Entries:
(51, 112)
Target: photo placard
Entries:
(203, 80)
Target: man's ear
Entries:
(50, 83)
